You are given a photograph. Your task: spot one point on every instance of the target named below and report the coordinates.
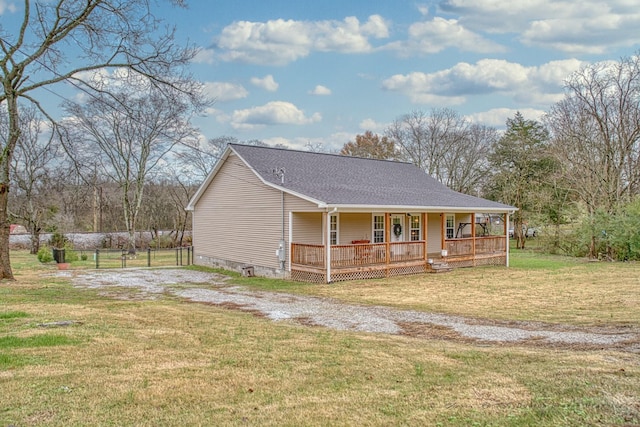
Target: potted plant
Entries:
(58, 242)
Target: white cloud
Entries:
(439, 34)
(588, 26)
(7, 7)
(373, 126)
(497, 117)
(423, 9)
(375, 27)
(225, 91)
(295, 144)
(320, 90)
(538, 85)
(330, 144)
(204, 56)
(278, 42)
(336, 141)
(267, 83)
(272, 113)
(211, 112)
(110, 79)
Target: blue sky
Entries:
(294, 72)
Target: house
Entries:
(17, 229)
(322, 218)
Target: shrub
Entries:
(624, 239)
(44, 254)
(70, 255)
(58, 240)
(613, 236)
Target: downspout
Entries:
(282, 244)
(282, 255)
(290, 240)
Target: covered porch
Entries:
(403, 244)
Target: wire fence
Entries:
(110, 258)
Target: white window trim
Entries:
(446, 227)
(337, 230)
(374, 229)
(411, 229)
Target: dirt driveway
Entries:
(211, 288)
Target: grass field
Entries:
(168, 362)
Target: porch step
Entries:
(440, 267)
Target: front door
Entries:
(397, 228)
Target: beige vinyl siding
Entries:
(434, 234)
(296, 204)
(238, 218)
(354, 226)
(307, 220)
(307, 228)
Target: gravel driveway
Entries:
(211, 288)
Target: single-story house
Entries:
(322, 218)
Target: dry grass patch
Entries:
(580, 293)
(166, 362)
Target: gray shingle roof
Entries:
(350, 181)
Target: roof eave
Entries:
(404, 208)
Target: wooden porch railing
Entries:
(372, 254)
(357, 254)
(483, 246)
(310, 255)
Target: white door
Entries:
(397, 228)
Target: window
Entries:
(416, 228)
(333, 229)
(450, 226)
(378, 229)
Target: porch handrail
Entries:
(483, 245)
(360, 254)
(307, 254)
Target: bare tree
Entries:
(199, 158)
(181, 191)
(596, 137)
(445, 145)
(55, 41)
(596, 133)
(465, 162)
(315, 147)
(32, 163)
(129, 139)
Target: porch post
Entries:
(387, 239)
(506, 236)
(443, 227)
(327, 244)
(290, 240)
(424, 234)
(473, 237)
